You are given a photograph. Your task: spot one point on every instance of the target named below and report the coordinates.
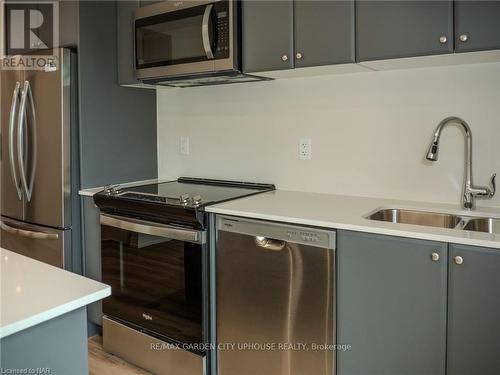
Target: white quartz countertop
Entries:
(33, 292)
(348, 213)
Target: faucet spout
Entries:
(469, 190)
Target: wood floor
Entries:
(102, 363)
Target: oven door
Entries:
(184, 38)
(156, 275)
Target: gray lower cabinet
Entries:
(267, 35)
(323, 32)
(392, 29)
(391, 305)
(477, 25)
(474, 311)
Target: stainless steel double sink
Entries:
(436, 219)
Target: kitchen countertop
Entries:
(348, 212)
(33, 292)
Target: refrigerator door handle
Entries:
(27, 95)
(34, 142)
(28, 233)
(12, 119)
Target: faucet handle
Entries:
(493, 186)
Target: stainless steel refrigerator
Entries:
(39, 163)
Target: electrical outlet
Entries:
(184, 145)
(305, 149)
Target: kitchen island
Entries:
(43, 320)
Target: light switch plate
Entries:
(184, 145)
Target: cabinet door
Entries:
(267, 35)
(391, 29)
(474, 311)
(391, 305)
(477, 25)
(324, 32)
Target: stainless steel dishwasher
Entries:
(275, 297)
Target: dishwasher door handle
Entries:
(270, 243)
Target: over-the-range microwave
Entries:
(189, 43)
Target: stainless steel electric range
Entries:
(154, 252)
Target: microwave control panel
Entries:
(222, 34)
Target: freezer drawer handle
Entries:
(12, 119)
(28, 233)
(146, 227)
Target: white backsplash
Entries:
(369, 132)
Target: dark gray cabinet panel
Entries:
(474, 311)
(391, 29)
(125, 41)
(477, 25)
(323, 32)
(267, 35)
(57, 346)
(391, 305)
(68, 23)
(91, 228)
(117, 124)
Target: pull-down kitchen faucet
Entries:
(469, 190)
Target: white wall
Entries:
(369, 131)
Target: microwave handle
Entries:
(204, 31)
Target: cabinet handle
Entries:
(463, 38)
(298, 56)
(443, 39)
(284, 58)
(458, 260)
(435, 257)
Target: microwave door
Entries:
(178, 42)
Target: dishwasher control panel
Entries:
(306, 236)
(278, 231)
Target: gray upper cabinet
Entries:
(267, 30)
(323, 32)
(391, 305)
(292, 34)
(125, 41)
(392, 29)
(474, 311)
(477, 25)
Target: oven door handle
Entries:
(154, 229)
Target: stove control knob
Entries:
(184, 198)
(197, 199)
(112, 189)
